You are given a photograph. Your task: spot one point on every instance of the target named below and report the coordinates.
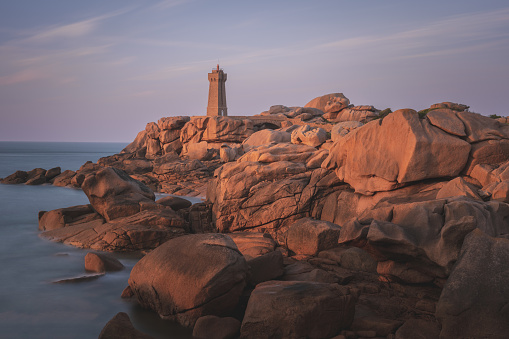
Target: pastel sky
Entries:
(100, 70)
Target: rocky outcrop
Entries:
(122, 216)
(268, 188)
(293, 309)
(37, 176)
(190, 277)
(376, 158)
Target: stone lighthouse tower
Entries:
(217, 93)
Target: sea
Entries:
(32, 305)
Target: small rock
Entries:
(100, 262)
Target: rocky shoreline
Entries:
(379, 225)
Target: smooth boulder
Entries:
(191, 276)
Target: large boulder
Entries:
(265, 137)
(473, 303)
(333, 102)
(398, 150)
(114, 194)
(191, 276)
(297, 309)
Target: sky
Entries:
(100, 70)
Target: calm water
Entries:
(31, 306)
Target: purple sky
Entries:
(100, 70)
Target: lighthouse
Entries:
(217, 93)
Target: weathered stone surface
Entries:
(120, 326)
(303, 271)
(280, 152)
(352, 258)
(492, 152)
(380, 326)
(265, 137)
(333, 102)
(308, 135)
(481, 128)
(64, 179)
(418, 329)
(153, 148)
(138, 143)
(450, 105)
(141, 231)
(458, 187)
(426, 234)
(266, 197)
(207, 279)
(265, 267)
(357, 113)
(474, 300)
(37, 176)
(198, 151)
(227, 154)
(341, 129)
(52, 173)
(100, 262)
(309, 236)
(278, 309)
(175, 203)
(252, 244)
(374, 158)
(18, 177)
(66, 217)
(172, 123)
(212, 327)
(167, 136)
(446, 120)
(152, 130)
(216, 129)
(113, 194)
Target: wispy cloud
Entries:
(169, 4)
(437, 37)
(21, 77)
(75, 29)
